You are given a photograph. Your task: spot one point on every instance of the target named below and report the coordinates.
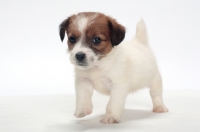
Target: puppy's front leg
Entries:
(116, 104)
(84, 91)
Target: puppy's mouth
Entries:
(83, 64)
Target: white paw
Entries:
(79, 113)
(108, 119)
(160, 109)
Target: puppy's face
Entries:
(91, 36)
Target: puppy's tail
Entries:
(141, 33)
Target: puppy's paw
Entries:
(160, 109)
(79, 113)
(108, 119)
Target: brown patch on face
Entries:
(71, 29)
(108, 30)
(98, 28)
(72, 32)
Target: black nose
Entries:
(80, 56)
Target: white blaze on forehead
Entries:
(82, 24)
(82, 21)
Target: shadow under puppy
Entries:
(105, 64)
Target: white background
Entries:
(34, 61)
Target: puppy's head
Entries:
(91, 36)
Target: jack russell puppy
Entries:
(106, 64)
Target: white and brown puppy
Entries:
(104, 64)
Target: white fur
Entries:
(128, 67)
(82, 23)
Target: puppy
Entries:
(105, 64)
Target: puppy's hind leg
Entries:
(156, 94)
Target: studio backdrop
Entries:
(33, 60)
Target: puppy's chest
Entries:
(101, 81)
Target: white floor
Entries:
(54, 113)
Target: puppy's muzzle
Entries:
(80, 56)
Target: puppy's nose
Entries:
(80, 56)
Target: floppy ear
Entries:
(117, 31)
(62, 27)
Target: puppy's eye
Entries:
(72, 39)
(96, 40)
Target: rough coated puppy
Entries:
(105, 64)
